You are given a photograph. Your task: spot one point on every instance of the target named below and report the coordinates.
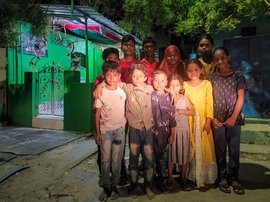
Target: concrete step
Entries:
(255, 152)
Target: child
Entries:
(179, 151)
(200, 94)
(205, 46)
(228, 91)
(128, 48)
(149, 48)
(140, 120)
(109, 54)
(172, 62)
(163, 114)
(110, 126)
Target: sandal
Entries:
(237, 188)
(224, 187)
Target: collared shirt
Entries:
(138, 107)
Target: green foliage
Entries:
(191, 17)
(15, 12)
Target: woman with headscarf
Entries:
(172, 62)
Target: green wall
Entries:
(78, 102)
(20, 103)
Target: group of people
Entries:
(179, 115)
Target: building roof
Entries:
(94, 19)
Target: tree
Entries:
(15, 12)
(191, 17)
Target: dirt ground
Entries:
(49, 177)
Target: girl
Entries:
(204, 48)
(200, 94)
(172, 62)
(228, 91)
(179, 151)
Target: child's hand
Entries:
(216, 123)
(207, 128)
(171, 137)
(98, 91)
(230, 122)
(98, 139)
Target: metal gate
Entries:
(51, 90)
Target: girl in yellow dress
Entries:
(202, 144)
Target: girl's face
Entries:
(172, 58)
(160, 82)
(205, 46)
(138, 78)
(221, 60)
(175, 86)
(194, 71)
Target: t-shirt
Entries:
(112, 104)
(225, 94)
(163, 112)
(124, 65)
(150, 67)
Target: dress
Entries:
(179, 152)
(202, 99)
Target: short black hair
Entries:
(110, 66)
(148, 39)
(127, 38)
(108, 51)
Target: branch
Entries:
(266, 1)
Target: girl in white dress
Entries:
(179, 152)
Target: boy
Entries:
(163, 114)
(140, 120)
(149, 48)
(109, 54)
(110, 126)
(128, 48)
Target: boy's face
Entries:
(112, 57)
(138, 78)
(149, 49)
(160, 82)
(128, 48)
(111, 78)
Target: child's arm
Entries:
(209, 107)
(207, 125)
(97, 118)
(190, 111)
(237, 109)
(98, 91)
(171, 137)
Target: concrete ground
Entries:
(69, 173)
